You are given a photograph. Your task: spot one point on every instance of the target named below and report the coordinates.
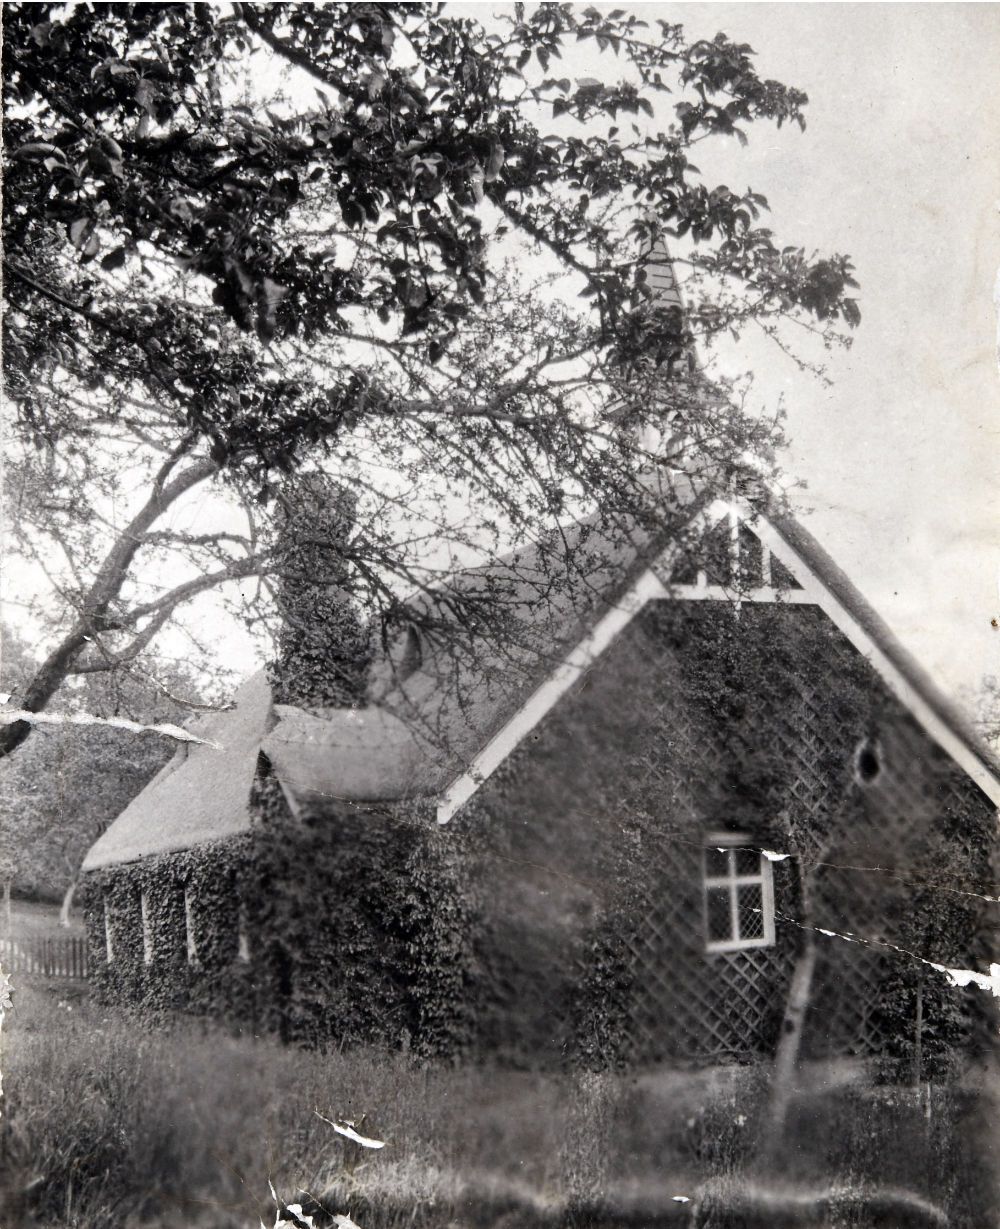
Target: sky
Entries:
(898, 168)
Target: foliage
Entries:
(210, 279)
(155, 891)
(72, 780)
(60, 796)
(536, 930)
(355, 930)
(322, 647)
(123, 125)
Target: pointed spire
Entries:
(667, 302)
(661, 277)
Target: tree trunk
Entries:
(786, 1057)
(106, 587)
(67, 903)
(47, 680)
(8, 920)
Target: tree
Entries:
(71, 781)
(209, 280)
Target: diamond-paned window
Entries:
(739, 895)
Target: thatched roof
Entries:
(202, 794)
(425, 725)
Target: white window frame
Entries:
(192, 946)
(242, 935)
(733, 881)
(109, 946)
(147, 928)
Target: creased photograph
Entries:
(500, 616)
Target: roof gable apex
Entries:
(818, 582)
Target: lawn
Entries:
(111, 1123)
(37, 920)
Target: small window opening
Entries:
(738, 895)
(147, 929)
(867, 762)
(109, 947)
(192, 947)
(412, 656)
(242, 936)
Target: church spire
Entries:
(666, 309)
(656, 348)
(661, 277)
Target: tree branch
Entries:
(171, 600)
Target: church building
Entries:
(616, 860)
(708, 771)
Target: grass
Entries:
(38, 920)
(109, 1123)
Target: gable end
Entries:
(781, 558)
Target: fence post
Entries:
(64, 956)
(918, 1038)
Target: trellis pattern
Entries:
(726, 1011)
(687, 1003)
(849, 976)
(798, 723)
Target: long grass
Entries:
(109, 1123)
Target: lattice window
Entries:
(739, 896)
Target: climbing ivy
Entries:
(512, 932)
(214, 981)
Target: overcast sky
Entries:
(899, 168)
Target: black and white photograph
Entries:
(500, 616)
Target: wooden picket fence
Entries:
(62, 957)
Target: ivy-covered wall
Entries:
(586, 851)
(158, 973)
(559, 917)
(338, 924)
(364, 917)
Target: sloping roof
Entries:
(202, 794)
(365, 753)
(837, 582)
(419, 733)
(457, 697)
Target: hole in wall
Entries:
(867, 762)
